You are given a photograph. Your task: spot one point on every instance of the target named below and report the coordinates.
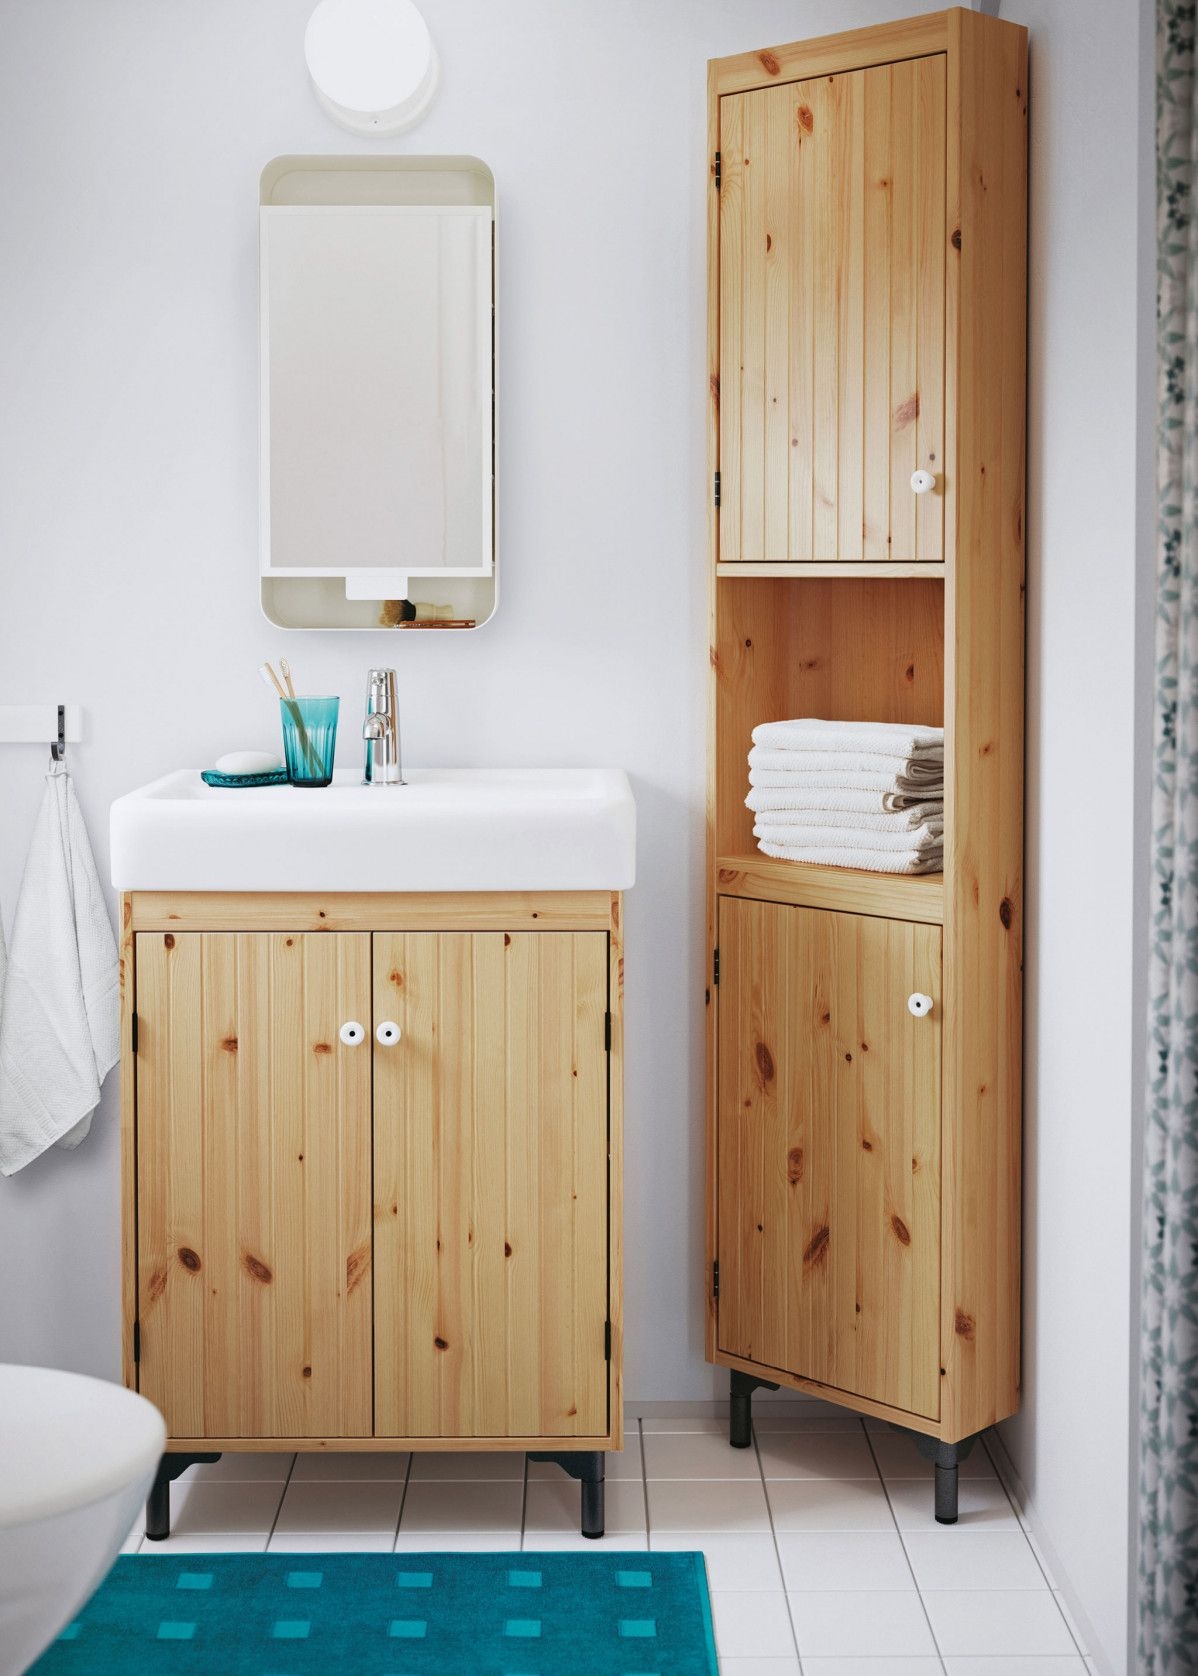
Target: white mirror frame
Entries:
(347, 598)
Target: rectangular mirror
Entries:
(377, 369)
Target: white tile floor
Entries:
(822, 1553)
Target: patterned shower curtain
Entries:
(1168, 1592)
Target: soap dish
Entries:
(213, 777)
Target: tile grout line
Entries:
(923, 1605)
(1034, 1547)
(524, 1503)
(769, 1513)
(282, 1498)
(403, 1497)
(640, 1432)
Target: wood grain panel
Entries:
(983, 923)
(828, 55)
(831, 265)
(491, 1185)
(927, 140)
(253, 1146)
(727, 380)
(887, 275)
(829, 1141)
(796, 647)
(615, 1170)
(128, 1110)
(918, 896)
(479, 910)
(954, 282)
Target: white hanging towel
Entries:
(59, 1018)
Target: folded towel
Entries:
(843, 808)
(59, 1028)
(886, 784)
(809, 733)
(925, 837)
(916, 771)
(872, 861)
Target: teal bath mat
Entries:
(558, 1614)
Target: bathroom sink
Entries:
(445, 830)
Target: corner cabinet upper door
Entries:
(253, 1183)
(832, 267)
(829, 1149)
(491, 1184)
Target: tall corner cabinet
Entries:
(867, 323)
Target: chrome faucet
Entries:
(380, 731)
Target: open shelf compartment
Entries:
(867, 649)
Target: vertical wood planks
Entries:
(729, 377)
(829, 1137)
(831, 256)
(927, 138)
(254, 1235)
(491, 1185)
(983, 925)
(879, 345)
(941, 342)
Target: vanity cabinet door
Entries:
(253, 1183)
(829, 1149)
(833, 250)
(491, 1184)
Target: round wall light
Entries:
(372, 63)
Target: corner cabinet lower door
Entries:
(491, 1184)
(253, 1183)
(829, 1149)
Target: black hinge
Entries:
(607, 1341)
(715, 968)
(133, 1031)
(719, 170)
(717, 488)
(137, 1341)
(715, 1278)
(607, 1031)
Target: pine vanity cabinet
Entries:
(865, 407)
(371, 1173)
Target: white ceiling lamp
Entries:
(372, 63)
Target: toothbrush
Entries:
(272, 680)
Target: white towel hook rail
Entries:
(56, 725)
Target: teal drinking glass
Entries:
(309, 739)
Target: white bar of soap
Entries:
(247, 762)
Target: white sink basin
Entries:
(447, 829)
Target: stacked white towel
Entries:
(849, 794)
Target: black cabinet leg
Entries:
(587, 1465)
(593, 1496)
(740, 1406)
(946, 1494)
(945, 1459)
(158, 1505)
(158, 1502)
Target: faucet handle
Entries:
(380, 692)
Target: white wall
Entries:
(1088, 604)
(133, 134)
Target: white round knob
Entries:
(919, 1005)
(922, 482)
(352, 1033)
(388, 1033)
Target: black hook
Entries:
(58, 747)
